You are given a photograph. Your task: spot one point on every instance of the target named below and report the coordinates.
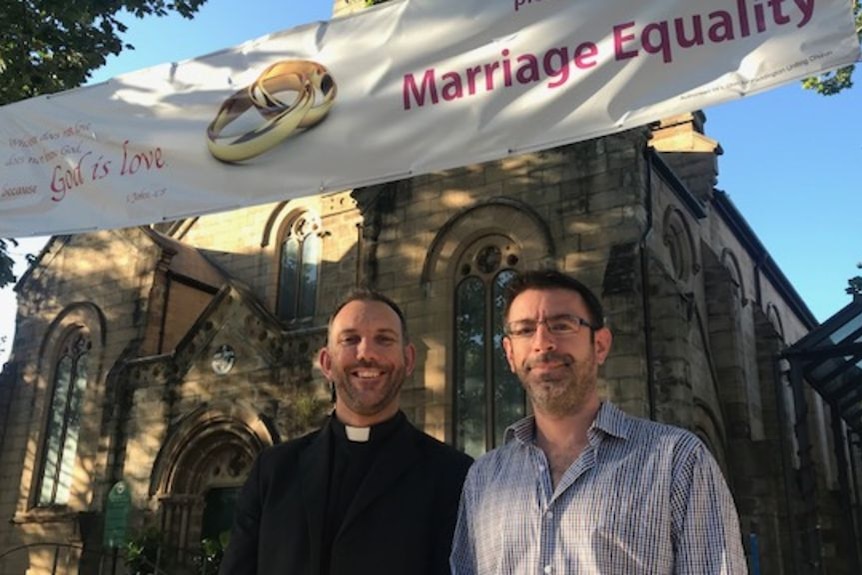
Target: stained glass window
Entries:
(488, 397)
(300, 262)
(64, 421)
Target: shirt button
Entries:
(547, 568)
(541, 468)
(549, 514)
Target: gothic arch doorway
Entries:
(199, 472)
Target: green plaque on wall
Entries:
(117, 515)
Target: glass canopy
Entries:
(830, 358)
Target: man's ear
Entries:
(602, 344)
(409, 359)
(507, 347)
(325, 361)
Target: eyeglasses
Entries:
(559, 325)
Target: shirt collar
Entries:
(377, 433)
(523, 430)
(609, 420)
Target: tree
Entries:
(6, 274)
(53, 45)
(855, 284)
(834, 82)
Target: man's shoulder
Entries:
(656, 435)
(648, 428)
(435, 449)
(288, 449)
(499, 459)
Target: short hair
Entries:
(364, 294)
(552, 279)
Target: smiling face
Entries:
(368, 361)
(558, 372)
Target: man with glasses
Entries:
(579, 486)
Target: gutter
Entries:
(642, 245)
(764, 264)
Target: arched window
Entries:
(300, 261)
(64, 420)
(488, 397)
(677, 239)
(729, 261)
(774, 317)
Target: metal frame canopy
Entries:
(830, 360)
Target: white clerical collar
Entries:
(357, 434)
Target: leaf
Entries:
(49, 46)
(836, 82)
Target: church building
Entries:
(165, 358)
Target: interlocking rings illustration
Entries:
(314, 89)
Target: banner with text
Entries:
(405, 88)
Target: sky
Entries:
(788, 164)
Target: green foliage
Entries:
(855, 284)
(6, 274)
(834, 82)
(830, 83)
(306, 410)
(374, 2)
(141, 552)
(212, 551)
(53, 45)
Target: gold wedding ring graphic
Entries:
(314, 89)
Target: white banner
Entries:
(408, 87)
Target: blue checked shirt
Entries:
(642, 498)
